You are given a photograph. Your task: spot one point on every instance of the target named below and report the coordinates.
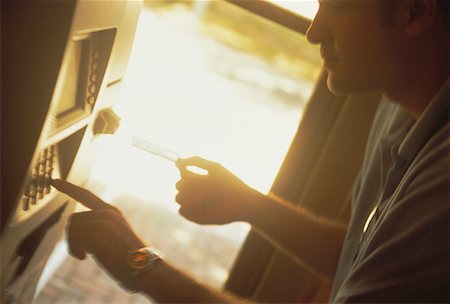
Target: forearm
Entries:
(313, 241)
(166, 284)
(221, 198)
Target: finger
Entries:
(197, 161)
(94, 215)
(180, 185)
(82, 195)
(189, 199)
(185, 173)
(191, 182)
(82, 243)
(92, 226)
(107, 221)
(75, 248)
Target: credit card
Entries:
(160, 151)
(154, 149)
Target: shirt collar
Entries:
(420, 131)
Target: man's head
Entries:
(370, 45)
(388, 8)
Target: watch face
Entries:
(140, 259)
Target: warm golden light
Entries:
(197, 85)
(174, 97)
(306, 8)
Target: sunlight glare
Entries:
(306, 8)
(190, 94)
(173, 99)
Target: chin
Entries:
(335, 87)
(342, 86)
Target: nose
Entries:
(319, 29)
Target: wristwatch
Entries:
(138, 261)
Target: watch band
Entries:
(138, 261)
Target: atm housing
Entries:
(62, 68)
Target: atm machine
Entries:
(63, 63)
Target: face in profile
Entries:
(358, 50)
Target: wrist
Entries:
(251, 203)
(138, 262)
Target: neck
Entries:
(420, 79)
(416, 95)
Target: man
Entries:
(395, 247)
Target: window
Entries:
(305, 8)
(211, 79)
(205, 78)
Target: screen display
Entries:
(70, 91)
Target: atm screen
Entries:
(70, 98)
(75, 82)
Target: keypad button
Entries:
(39, 191)
(25, 202)
(41, 169)
(47, 189)
(40, 194)
(92, 88)
(48, 166)
(32, 192)
(93, 77)
(34, 174)
(91, 99)
(41, 174)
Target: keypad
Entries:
(41, 174)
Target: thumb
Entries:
(196, 161)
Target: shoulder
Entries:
(421, 199)
(405, 254)
(430, 169)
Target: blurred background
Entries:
(205, 78)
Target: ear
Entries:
(421, 16)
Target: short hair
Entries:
(389, 6)
(442, 6)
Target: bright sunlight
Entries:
(306, 8)
(191, 90)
